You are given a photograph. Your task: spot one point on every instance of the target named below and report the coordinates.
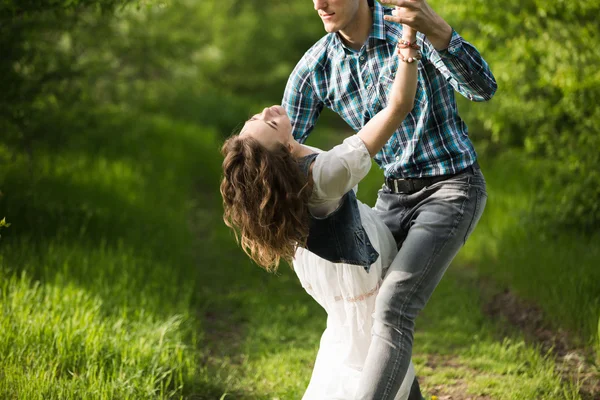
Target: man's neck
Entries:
(356, 33)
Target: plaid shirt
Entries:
(433, 139)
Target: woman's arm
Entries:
(380, 128)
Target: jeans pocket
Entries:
(480, 202)
(478, 179)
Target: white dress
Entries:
(346, 292)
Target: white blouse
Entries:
(337, 171)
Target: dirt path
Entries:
(575, 363)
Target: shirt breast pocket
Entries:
(386, 80)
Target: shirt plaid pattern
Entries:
(433, 139)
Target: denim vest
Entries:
(340, 237)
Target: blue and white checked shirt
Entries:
(433, 139)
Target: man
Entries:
(434, 192)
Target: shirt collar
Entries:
(377, 31)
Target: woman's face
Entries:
(270, 127)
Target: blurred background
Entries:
(118, 279)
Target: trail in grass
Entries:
(262, 333)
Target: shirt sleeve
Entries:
(463, 67)
(337, 171)
(300, 102)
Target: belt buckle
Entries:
(411, 185)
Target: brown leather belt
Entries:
(412, 185)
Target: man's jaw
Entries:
(329, 20)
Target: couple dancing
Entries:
(391, 74)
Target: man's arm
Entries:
(463, 67)
(300, 102)
(455, 58)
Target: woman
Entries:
(291, 202)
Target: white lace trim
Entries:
(360, 297)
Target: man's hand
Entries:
(420, 16)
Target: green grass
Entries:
(120, 281)
(100, 270)
(457, 348)
(557, 271)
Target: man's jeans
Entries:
(430, 226)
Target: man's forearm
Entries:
(300, 104)
(440, 34)
(464, 68)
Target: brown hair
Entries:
(265, 200)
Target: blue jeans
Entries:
(430, 226)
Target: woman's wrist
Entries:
(408, 49)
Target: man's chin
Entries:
(330, 28)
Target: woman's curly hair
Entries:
(265, 200)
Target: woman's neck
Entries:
(299, 150)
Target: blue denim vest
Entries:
(340, 236)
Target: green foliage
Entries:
(545, 58)
(25, 8)
(3, 224)
(44, 68)
(208, 62)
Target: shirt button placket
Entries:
(364, 72)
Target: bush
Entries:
(544, 56)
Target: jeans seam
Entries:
(419, 283)
(475, 212)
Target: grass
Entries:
(558, 271)
(99, 269)
(120, 281)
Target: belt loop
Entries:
(395, 185)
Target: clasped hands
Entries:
(418, 15)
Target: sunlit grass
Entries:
(58, 341)
(99, 269)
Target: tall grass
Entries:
(100, 268)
